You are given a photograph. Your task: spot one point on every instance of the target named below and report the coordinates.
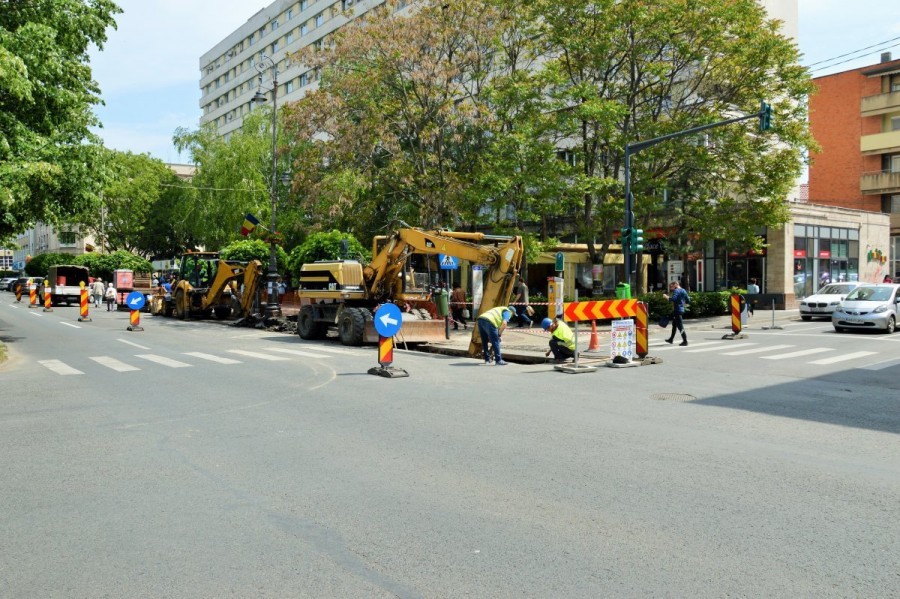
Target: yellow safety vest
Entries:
(565, 334)
(495, 315)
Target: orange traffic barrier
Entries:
(135, 321)
(32, 297)
(48, 297)
(83, 299)
(19, 292)
(640, 331)
(736, 305)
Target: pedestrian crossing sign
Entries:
(448, 262)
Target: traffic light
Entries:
(626, 238)
(765, 117)
(637, 241)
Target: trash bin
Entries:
(623, 291)
(442, 300)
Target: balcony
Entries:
(880, 104)
(880, 143)
(880, 182)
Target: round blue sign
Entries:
(135, 300)
(388, 320)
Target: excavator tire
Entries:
(307, 327)
(351, 326)
(180, 305)
(222, 312)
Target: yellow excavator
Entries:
(207, 284)
(345, 293)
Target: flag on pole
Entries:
(250, 223)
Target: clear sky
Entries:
(149, 68)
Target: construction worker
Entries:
(491, 325)
(562, 339)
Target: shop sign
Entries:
(799, 253)
(824, 254)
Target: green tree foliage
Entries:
(40, 265)
(623, 72)
(50, 163)
(326, 245)
(254, 249)
(103, 265)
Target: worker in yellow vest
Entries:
(562, 339)
(491, 325)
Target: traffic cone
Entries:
(595, 338)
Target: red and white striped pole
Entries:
(48, 296)
(32, 296)
(83, 299)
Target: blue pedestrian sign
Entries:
(388, 320)
(448, 262)
(135, 300)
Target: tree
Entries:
(49, 160)
(40, 265)
(631, 71)
(254, 249)
(104, 265)
(326, 246)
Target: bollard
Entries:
(48, 297)
(737, 304)
(83, 300)
(135, 321)
(386, 359)
(19, 293)
(774, 326)
(640, 331)
(32, 296)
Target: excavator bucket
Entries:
(414, 329)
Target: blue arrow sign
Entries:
(448, 262)
(135, 300)
(388, 320)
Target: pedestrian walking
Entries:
(752, 289)
(491, 325)
(521, 301)
(97, 290)
(679, 297)
(110, 296)
(458, 307)
(562, 339)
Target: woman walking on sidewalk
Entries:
(679, 297)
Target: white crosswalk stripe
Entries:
(253, 354)
(756, 350)
(212, 358)
(844, 357)
(58, 367)
(163, 360)
(114, 364)
(881, 365)
(297, 352)
(797, 354)
(714, 348)
(666, 346)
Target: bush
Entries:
(246, 250)
(325, 246)
(103, 265)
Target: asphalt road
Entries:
(193, 459)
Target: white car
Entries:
(5, 282)
(826, 300)
(869, 307)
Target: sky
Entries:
(149, 68)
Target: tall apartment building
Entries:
(855, 117)
(228, 75)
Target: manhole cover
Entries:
(672, 397)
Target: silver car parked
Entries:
(868, 307)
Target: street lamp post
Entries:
(272, 307)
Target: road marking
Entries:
(881, 365)
(297, 352)
(164, 361)
(33, 313)
(756, 350)
(58, 367)
(133, 344)
(675, 346)
(114, 364)
(797, 354)
(212, 358)
(835, 359)
(335, 350)
(716, 348)
(69, 324)
(253, 354)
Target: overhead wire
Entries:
(854, 55)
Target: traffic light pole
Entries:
(765, 122)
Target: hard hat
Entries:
(545, 324)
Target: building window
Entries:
(304, 79)
(345, 4)
(895, 204)
(274, 25)
(895, 83)
(67, 238)
(304, 28)
(274, 46)
(304, 4)
(252, 38)
(895, 123)
(320, 18)
(289, 37)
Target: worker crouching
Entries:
(562, 339)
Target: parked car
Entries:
(6, 283)
(868, 307)
(26, 283)
(825, 300)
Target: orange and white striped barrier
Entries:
(32, 297)
(83, 303)
(48, 297)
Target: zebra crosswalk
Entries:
(814, 355)
(141, 361)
